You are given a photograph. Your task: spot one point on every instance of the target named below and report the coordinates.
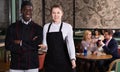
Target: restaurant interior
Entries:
(81, 14)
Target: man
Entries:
(22, 40)
(110, 46)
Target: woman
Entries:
(98, 35)
(88, 41)
(91, 46)
(58, 39)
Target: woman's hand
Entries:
(73, 64)
(42, 46)
(95, 52)
(42, 49)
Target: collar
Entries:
(26, 22)
(56, 24)
(110, 39)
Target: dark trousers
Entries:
(103, 66)
(100, 65)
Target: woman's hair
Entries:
(86, 34)
(57, 6)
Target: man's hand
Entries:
(35, 38)
(101, 43)
(17, 41)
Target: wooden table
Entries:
(94, 57)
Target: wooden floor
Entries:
(4, 67)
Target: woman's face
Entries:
(89, 35)
(96, 33)
(57, 14)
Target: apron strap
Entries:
(60, 26)
(49, 27)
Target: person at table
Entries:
(91, 46)
(58, 39)
(97, 35)
(22, 40)
(88, 41)
(109, 46)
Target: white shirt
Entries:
(108, 41)
(67, 33)
(101, 49)
(26, 22)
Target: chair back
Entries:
(117, 66)
(115, 63)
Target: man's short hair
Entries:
(24, 3)
(109, 31)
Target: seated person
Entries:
(88, 41)
(91, 46)
(98, 35)
(109, 46)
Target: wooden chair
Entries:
(115, 63)
(41, 61)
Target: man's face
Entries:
(27, 12)
(107, 36)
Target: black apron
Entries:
(57, 58)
